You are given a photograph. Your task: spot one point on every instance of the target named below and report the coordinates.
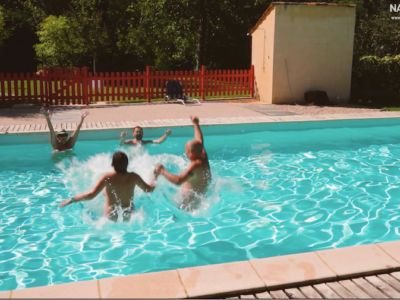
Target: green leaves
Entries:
(3, 33)
(61, 42)
(122, 35)
(381, 73)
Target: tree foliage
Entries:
(375, 73)
(3, 32)
(169, 34)
(60, 43)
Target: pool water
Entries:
(273, 193)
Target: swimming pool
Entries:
(273, 193)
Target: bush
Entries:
(377, 75)
(376, 81)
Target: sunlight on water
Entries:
(272, 193)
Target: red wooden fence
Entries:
(64, 86)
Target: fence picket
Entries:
(128, 85)
(8, 83)
(35, 80)
(36, 92)
(91, 97)
(69, 94)
(101, 90)
(76, 72)
(133, 94)
(2, 89)
(28, 94)
(43, 86)
(15, 85)
(107, 87)
(112, 86)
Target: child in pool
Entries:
(118, 188)
(197, 176)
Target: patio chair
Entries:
(174, 91)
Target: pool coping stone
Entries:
(81, 289)
(391, 248)
(284, 270)
(362, 259)
(163, 284)
(220, 279)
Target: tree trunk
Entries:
(200, 54)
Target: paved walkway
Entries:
(149, 123)
(60, 116)
(268, 110)
(158, 111)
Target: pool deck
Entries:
(366, 271)
(156, 115)
(29, 116)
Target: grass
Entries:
(162, 99)
(8, 104)
(391, 108)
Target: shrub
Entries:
(378, 74)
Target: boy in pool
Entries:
(60, 141)
(118, 189)
(197, 176)
(138, 135)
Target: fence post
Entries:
(46, 87)
(251, 81)
(85, 85)
(203, 72)
(148, 83)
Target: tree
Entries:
(4, 31)
(89, 15)
(170, 34)
(76, 38)
(61, 44)
(162, 33)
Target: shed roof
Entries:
(293, 3)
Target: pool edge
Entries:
(228, 279)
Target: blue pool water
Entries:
(273, 193)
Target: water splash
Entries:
(82, 175)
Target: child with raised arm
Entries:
(60, 141)
(197, 176)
